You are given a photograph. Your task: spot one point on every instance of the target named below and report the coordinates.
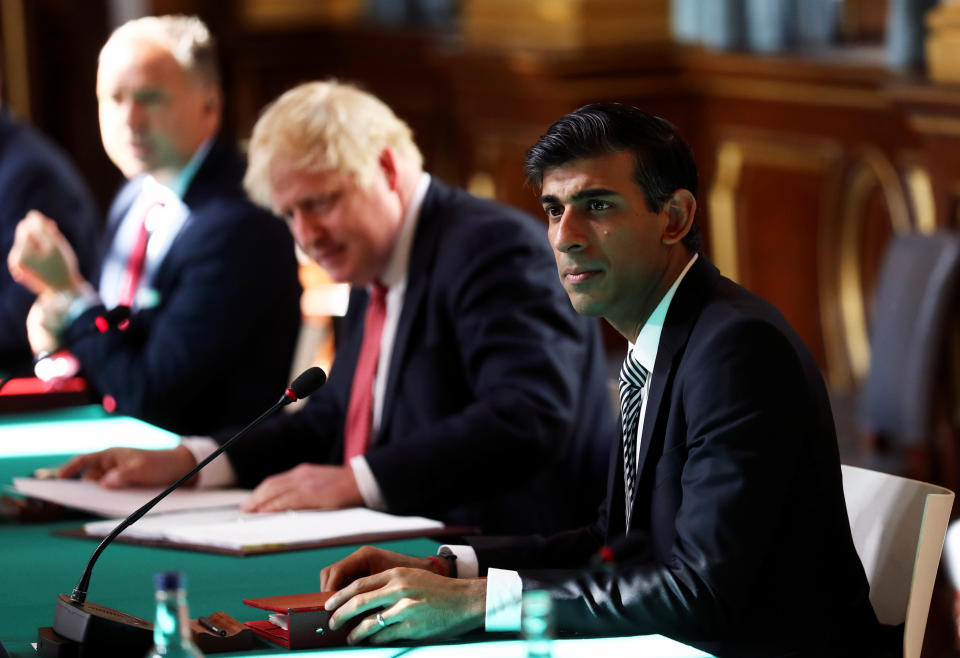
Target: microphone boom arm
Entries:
(305, 384)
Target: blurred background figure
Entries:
(35, 174)
(211, 279)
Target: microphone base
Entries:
(98, 629)
(51, 645)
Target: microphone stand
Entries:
(99, 628)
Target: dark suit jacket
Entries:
(740, 542)
(495, 411)
(216, 349)
(36, 175)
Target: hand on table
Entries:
(415, 604)
(307, 486)
(41, 258)
(115, 468)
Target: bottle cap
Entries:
(170, 580)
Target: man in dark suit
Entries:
(724, 524)
(464, 387)
(210, 278)
(35, 173)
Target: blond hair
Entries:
(186, 37)
(325, 126)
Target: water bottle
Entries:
(537, 623)
(171, 628)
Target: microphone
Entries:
(97, 626)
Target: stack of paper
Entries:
(89, 496)
(232, 529)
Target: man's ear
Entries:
(679, 211)
(388, 164)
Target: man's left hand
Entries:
(307, 486)
(413, 604)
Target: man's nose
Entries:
(134, 114)
(307, 229)
(567, 233)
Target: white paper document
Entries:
(90, 497)
(232, 529)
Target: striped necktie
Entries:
(633, 377)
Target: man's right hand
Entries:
(115, 468)
(367, 561)
(41, 258)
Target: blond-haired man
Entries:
(210, 278)
(465, 386)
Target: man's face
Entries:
(347, 229)
(153, 114)
(608, 244)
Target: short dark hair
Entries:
(663, 161)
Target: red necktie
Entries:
(360, 409)
(138, 256)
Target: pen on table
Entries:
(210, 626)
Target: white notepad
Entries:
(235, 530)
(89, 496)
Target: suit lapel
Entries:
(418, 278)
(681, 316)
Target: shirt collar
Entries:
(181, 182)
(644, 351)
(395, 273)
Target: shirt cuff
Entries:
(86, 298)
(219, 472)
(367, 484)
(504, 596)
(467, 564)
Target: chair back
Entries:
(898, 526)
(916, 293)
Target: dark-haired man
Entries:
(724, 524)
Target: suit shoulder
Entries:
(736, 321)
(473, 221)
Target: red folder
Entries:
(307, 621)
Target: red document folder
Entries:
(307, 621)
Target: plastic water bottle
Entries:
(537, 623)
(171, 628)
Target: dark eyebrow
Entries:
(579, 196)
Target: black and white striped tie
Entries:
(633, 377)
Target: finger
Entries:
(281, 503)
(368, 628)
(360, 596)
(277, 503)
(35, 217)
(393, 627)
(76, 465)
(342, 573)
(132, 470)
(270, 488)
